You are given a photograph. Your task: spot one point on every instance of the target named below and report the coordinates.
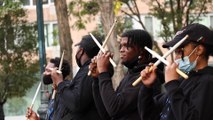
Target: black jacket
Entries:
(189, 99)
(122, 103)
(76, 98)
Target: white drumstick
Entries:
(102, 49)
(164, 56)
(185, 76)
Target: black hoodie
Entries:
(122, 103)
(189, 99)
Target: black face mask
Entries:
(47, 79)
(78, 59)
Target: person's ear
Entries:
(200, 50)
(81, 50)
(141, 53)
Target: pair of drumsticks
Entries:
(160, 59)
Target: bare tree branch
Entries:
(173, 13)
(187, 5)
(201, 10)
(129, 15)
(138, 15)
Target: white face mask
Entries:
(185, 65)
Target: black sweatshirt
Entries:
(122, 103)
(98, 101)
(77, 97)
(190, 99)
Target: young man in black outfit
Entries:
(189, 99)
(122, 103)
(53, 63)
(77, 95)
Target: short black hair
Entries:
(139, 38)
(65, 66)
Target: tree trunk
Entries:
(64, 31)
(107, 19)
(1, 111)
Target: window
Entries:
(46, 35)
(55, 35)
(51, 34)
(149, 24)
(211, 22)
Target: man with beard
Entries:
(77, 95)
(121, 104)
(53, 63)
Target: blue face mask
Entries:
(185, 65)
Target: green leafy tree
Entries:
(174, 14)
(55, 37)
(18, 64)
(84, 11)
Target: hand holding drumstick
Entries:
(148, 77)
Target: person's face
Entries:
(47, 73)
(48, 68)
(127, 53)
(186, 51)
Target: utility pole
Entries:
(42, 58)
